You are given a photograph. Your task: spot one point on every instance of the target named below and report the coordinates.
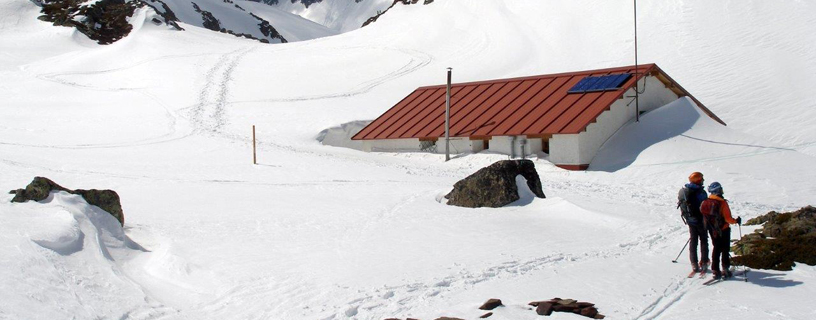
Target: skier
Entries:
(688, 200)
(718, 220)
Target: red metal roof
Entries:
(536, 105)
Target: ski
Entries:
(733, 276)
(691, 275)
(703, 270)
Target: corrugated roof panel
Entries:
(516, 106)
(553, 85)
(570, 113)
(383, 119)
(421, 114)
(545, 108)
(519, 106)
(395, 118)
(463, 108)
(466, 94)
(499, 110)
(463, 127)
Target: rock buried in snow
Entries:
(40, 188)
(495, 185)
(491, 304)
(486, 315)
(546, 308)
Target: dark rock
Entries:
(107, 200)
(589, 312)
(599, 316)
(486, 315)
(495, 185)
(209, 20)
(267, 30)
(584, 304)
(104, 21)
(564, 307)
(491, 304)
(380, 13)
(544, 309)
(37, 190)
(165, 12)
(785, 238)
(40, 188)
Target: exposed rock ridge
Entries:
(784, 239)
(380, 13)
(40, 188)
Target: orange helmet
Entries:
(696, 178)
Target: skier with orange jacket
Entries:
(717, 217)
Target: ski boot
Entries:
(704, 265)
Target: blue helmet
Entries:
(715, 188)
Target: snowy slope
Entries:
(338, 15)
(313, 231)
(244, 17)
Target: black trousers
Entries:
(722, 246)
(698, 234)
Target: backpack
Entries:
(686, 211)
(712, 217)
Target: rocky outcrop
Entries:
(104, 21)
(547, 307)
(380, 13)
(209, 21)
(495, 185)
(267, 29)
(783, 240)
(306, 3)
(40, 188)
(491, 304)
(164, 11)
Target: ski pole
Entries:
(744, 271)
(681, 251)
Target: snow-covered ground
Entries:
(318, 232)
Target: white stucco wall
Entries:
(457, 145)
(572, 149)
(522, 146)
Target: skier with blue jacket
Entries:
(688, 200)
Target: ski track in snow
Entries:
(173, 133)
(208, 114)
(418, 61)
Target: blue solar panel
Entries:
(600, 83)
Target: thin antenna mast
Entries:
(447, 117)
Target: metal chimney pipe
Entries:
(447, 116)
(637, 72)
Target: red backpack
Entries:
(712, 217)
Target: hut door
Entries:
(545, 143)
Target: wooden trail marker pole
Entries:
(254, 155)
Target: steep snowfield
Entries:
(313, 231)
(237, 16)
(337, 15)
